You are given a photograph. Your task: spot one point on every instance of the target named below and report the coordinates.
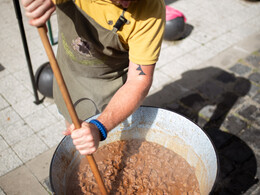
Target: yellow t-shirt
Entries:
(142, 35)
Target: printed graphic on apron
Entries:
(89, 61)
(82, 46)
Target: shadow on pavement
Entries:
(1, 67)
(210, 97)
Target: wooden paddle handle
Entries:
(68, 102)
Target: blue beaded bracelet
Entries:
(101, 128)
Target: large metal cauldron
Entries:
(164, 127)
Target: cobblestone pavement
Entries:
(225, 103)
(211, 76)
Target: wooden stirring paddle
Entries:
(67, 99)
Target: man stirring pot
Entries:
(107, 54)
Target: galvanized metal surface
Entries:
(157, 125)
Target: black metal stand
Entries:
(26, 50)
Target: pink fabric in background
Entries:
(172, 13)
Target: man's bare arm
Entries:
(129, 97)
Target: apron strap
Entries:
(120, 22)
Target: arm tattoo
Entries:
(140, 69)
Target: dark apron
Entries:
(92, 60)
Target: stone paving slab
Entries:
(40, 167)
(31, 178)
(21, 181)
(9, 161)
